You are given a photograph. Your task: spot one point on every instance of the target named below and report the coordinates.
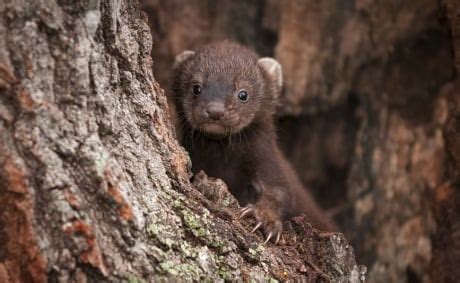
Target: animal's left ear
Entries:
(273, 69)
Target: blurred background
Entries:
(364, 115)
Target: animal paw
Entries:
(267, 218)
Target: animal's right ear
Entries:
(182, 57)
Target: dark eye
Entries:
(197, 89)
(243, 96)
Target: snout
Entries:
(214, 117)
(214, 111)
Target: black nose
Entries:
(215, 111)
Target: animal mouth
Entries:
(213, 128)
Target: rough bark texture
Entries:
(446, 207)
(369, 117)
(93, 185)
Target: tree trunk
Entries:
(93, 184)
(446, 204)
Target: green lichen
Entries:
(165, 195)
(228, 201)
(195, 225)
(134, 279)
(256, 253)
(155, 229)
(182, 270)
(162, 233)
(188, 251)
(260, 249)
(177, 204)
(168, 267)
(158, 253)
(219, 244)
(224, 273)
(101, 162)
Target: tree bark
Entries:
(446, 204)
(93, 184)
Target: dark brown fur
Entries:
(243, 152)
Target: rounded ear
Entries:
(182, 57)
(273, 69)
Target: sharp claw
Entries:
(257, 226)
(277, 238)
(245, 211)
(246, 208)
(268, 237)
